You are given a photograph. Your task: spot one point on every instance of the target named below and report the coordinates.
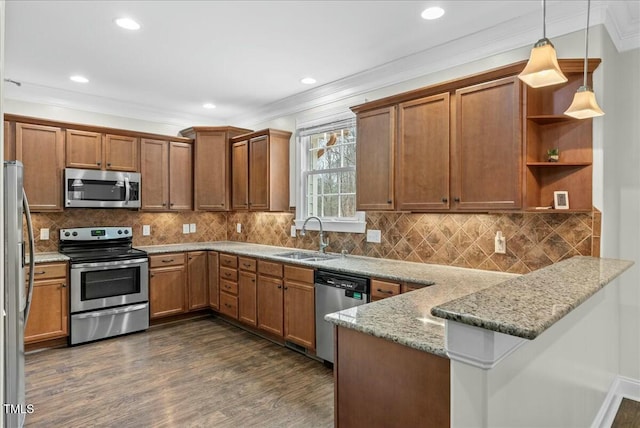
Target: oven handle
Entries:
(127, 191)
(117, 264)
(115, 311)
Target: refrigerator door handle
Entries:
(32, 263)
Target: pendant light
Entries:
(584, 103)
(542, 68)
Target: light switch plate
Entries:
(192, 228)
(239, 227)
(44, 234)
(185, 229)
(293, 231)
(146, 230)
(374, 236)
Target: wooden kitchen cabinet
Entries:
(214, 283)
(375, 159)
(299, 306)
(422, 173)
(41, 151)
(383, 289)
(487, 161)
(260, 171)
(95, 150)
(198, 280)
(228, 274)
(270, 297)
(212, 166)
(49, 313)
(166, 175)
(168, 292)
(247, 292)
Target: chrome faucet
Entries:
(323, 244)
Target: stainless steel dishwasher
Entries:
(335, 292)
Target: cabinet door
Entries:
(155, 175)
(212, 172)
(198, 276)
(422, 171)
(84, 149)
(270, 305)
(167, 294)
(214, 287)
(121, 153)
(259, 173)
(299, 313)
(375, 159)
(48, 317)
(247, 298)
(487, 164)
(180, 176)
(41, 150)
(240, 175)
(9, 141)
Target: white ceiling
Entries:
(245, 56)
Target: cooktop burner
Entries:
(98, 244)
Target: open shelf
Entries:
(545, 119)
(558, 164)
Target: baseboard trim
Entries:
(622, 387)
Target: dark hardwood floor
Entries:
(202, 373)
(628, 415)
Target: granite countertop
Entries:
(528, 305)
(49, 257)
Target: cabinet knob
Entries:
(456, 199)
(389, 201)
(98, 163)
(171, 204)
(108, 163)
(279, 286)
(164, 204)
(444, 200)
(63, 285)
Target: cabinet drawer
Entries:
(247, 264)
(269, 268)
(408, 286)
(229, 287)
(228, 274)
(382, 289)
(228, 261)
(229, 305)
(299, 274)
(170, 259)
(48, 271)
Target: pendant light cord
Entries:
(544, 20)
(586, 45)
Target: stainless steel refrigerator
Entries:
(17, 296)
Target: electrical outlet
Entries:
(146, 230)
(192, 228)
(185, 229)
(374, 236)
(238, 227)
(293, 231)
(500, 243)
(44, 234)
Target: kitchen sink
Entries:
(306, 256)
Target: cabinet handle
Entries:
(98, 163)
(151, 275)
(279, 286)
(444, 200)
(40, 272)
(389, 201)
(247, 265)
(108, 163)
(171, 204)
(384, 291)
(167, 261)
(286, 288)
(63, 285)
(456, 199)
(164, 204)
(253, 280)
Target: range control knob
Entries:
(126, 232)
(119, 232)
(75, 233)
(67, 234)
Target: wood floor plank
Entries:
(202, 373)
(628, 415)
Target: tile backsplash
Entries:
(534, 240)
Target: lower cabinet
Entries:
(49, 313)
(198, 280)
(247, 292)
(168, 293)
(299, 306)
(228, 274)
(270, 297)
(383, 289)
(214, 283)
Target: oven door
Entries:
(106, 284)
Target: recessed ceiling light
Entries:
(127, 23)
(308, 80)
(208, 105)
(79, 79)
(432, 13)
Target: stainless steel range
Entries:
(109, 283)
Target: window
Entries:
(328, 178)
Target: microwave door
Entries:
(127, 191)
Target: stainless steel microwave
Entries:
(86, 188)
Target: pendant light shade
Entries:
(584, 103)
(542, 68)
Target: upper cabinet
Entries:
(260, 171)
(41, 151)
(95, 150)
(166, 175)
(477, 143)
(212, 166)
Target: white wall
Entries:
(2, 4)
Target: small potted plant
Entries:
(552, 155)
